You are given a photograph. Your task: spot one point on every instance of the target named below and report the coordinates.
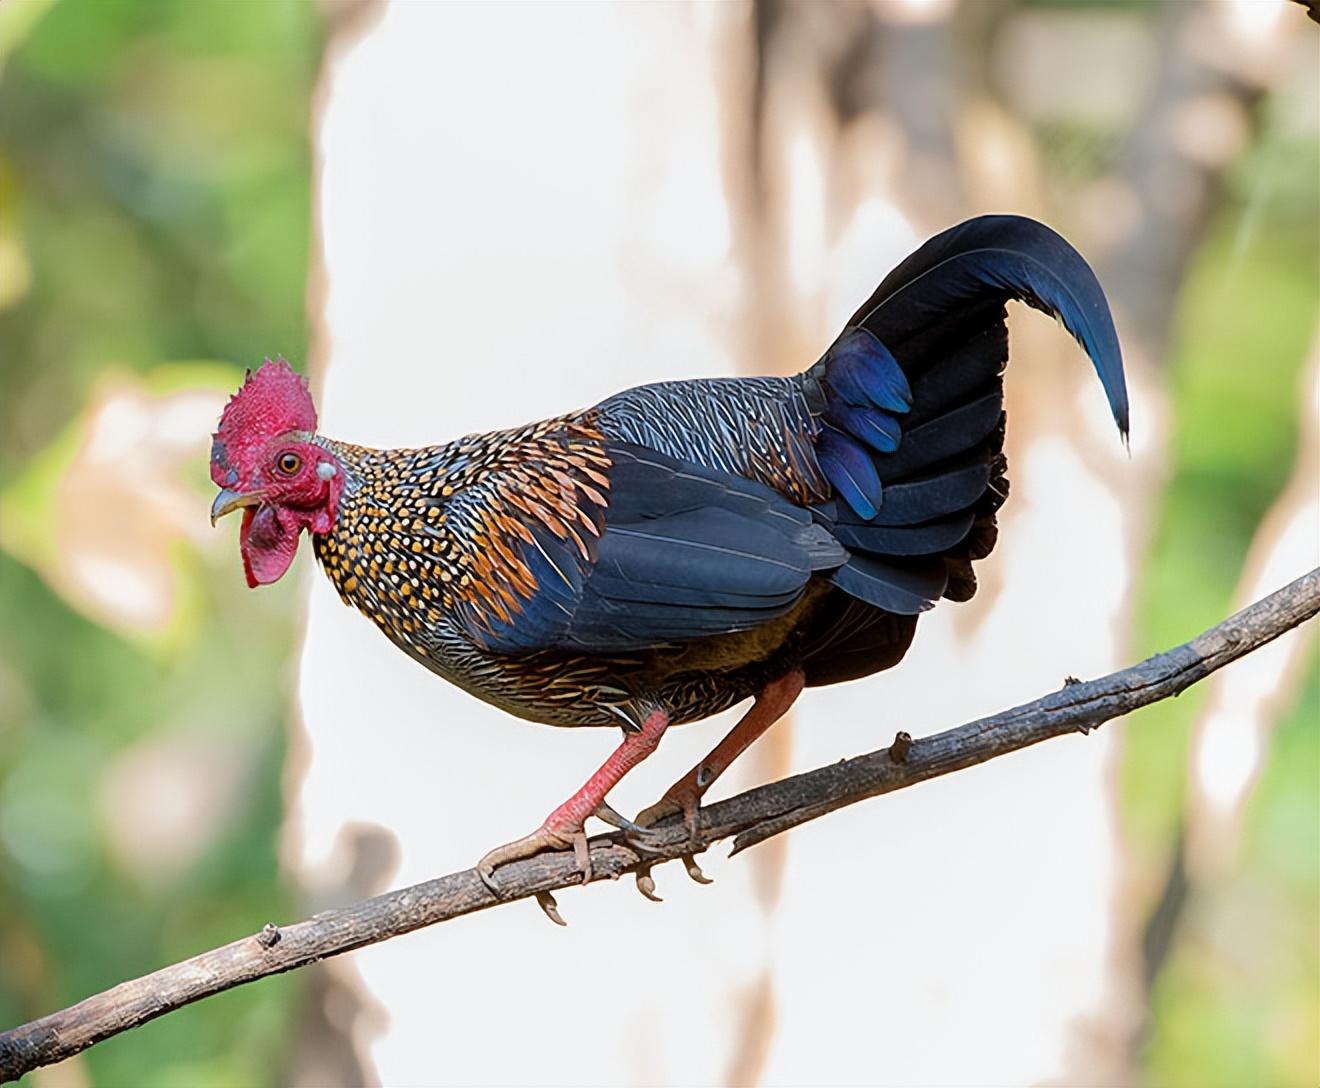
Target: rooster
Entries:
(684, 546)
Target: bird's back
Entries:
(679, 544)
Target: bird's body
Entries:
(680, 547)
(426, 545)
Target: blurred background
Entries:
(459, 217)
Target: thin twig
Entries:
(750, 818)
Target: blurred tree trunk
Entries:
(495, 257)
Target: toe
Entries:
(651, 816)
(582, 855)
(487, 874)
(543, 838)
(617, 819)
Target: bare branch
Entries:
(749, 818)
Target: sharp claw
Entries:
(694, 870)
(547, 903)
(646, 884)
(615, 819)
(488, 879)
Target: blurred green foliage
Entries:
(154, 207)
(1236, 1001)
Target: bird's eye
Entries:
(288, 463)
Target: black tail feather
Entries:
(923, 361)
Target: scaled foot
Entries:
(683, 796)
(551, 835)
(563, 827)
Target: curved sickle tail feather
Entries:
(909, 404)
(995, 258)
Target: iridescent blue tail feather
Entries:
(909, 404)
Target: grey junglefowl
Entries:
(681, 547)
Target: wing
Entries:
(682, 552)
(695, 517)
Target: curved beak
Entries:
(228, 501)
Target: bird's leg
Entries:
(685, 795)
(563, 828)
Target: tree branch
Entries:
(750, 818)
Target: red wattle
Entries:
(243, 532)
(268, 540)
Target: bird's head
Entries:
(265, 462)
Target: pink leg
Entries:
(685, 795)
(563, 828)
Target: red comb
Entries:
(272, 402)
